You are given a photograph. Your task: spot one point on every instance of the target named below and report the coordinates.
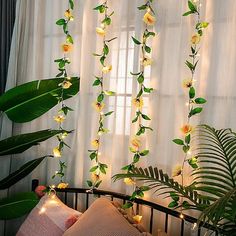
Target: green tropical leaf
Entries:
(20, 173)
(20, 143)
(17, 205)
(29, 101)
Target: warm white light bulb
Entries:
(187, 104)
(189, 152)
(99, 153)
(42, 210)
(181, 216)
(194, 226)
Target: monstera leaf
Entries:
(28, 101)
(17, 205)
(20, 143)
(20, 173)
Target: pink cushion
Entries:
(102, 219)
(48, 218)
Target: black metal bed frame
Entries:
(114, 195)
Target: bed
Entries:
(77, 197)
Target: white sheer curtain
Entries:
(36, 43)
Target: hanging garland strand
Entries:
(64, 109)
(95, 154)
(193, 101)
(138, 102)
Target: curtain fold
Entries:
(36, 43)
(7, 18)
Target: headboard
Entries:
(75, 193)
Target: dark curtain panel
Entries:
(7, 17)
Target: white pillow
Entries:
(48, 218)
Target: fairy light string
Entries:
(99, 105)
(140, 118)
(193, 103)
(62, 63)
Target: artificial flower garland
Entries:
(99, 105)
(193, 101)
(149, 19)
(66, 47)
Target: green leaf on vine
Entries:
(71, 2)
(140, 78)
(105, 49)
(100, 97)
(61, 22)
(143, 7)
(93, 168)
(93, 155)
(178, 141)
(144, 152)
(147, 49)
(174, 196)
(187, 139)
(107, 20)
(69, 39)
(96, 82)
(192, 6)
(136, 41)
(145, 117)
(100, 8)
(108, 113)
(127, 205)
(195, 111)
(200, 101)
(147, 90)
(191, 93)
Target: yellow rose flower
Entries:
(195, 39)
(59, 118)
(68, 14)
(62, 185)
(66, 47)
(186, 129)
(95, 143)
(137, 219)
(56, 152)
(95, 177)
(129, 181)
(100, 31)
(187, 83)
(177, 171)
(106, 69)
(98, 106)
(146, 61)
(149, 19)
(65, 84)
(138, 102)
(136, 143)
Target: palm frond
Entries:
(156, 179)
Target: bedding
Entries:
(104, 219)
(50, 217)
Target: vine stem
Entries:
(190, 106)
